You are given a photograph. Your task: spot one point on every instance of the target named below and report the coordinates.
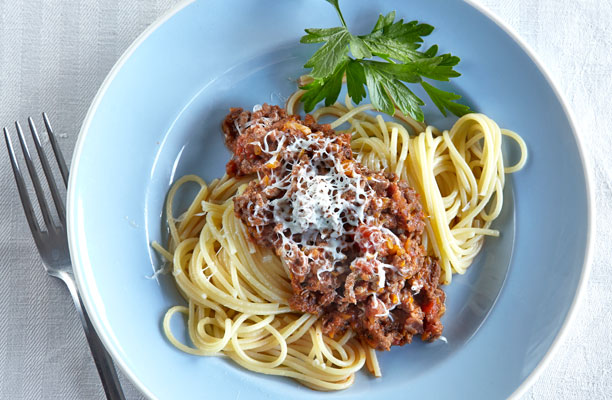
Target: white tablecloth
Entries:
(54, 54)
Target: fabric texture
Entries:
(54, 54)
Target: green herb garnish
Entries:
(397, 45)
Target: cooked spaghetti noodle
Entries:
(238, 297)
(238, 292)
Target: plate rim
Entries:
(586, 165)
(70, 196)
(570, 316)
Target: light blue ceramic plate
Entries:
(157, 117)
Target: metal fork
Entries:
(52, 239)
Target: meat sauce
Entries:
(350, 238)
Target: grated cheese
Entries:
(314, 206)
(318, 202)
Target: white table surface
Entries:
(54, 54)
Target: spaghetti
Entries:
(238, 293)
(238, 297)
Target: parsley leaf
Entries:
(355, 79)
(324, 89)
(359, 48)
(383, 21)
(445, 100)
(397, 40)
(406, 101)
(398, 44)
(404, 72)
(325, 60)
(316, 35)
(378, 93)
(386, 48)
(386, 92)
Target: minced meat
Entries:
(351, 238)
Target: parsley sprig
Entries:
(397, 44)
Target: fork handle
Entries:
(103, 360)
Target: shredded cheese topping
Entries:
(323, 202)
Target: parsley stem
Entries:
(337, 7)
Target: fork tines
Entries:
(38, 189)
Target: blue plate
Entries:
(157, 117)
